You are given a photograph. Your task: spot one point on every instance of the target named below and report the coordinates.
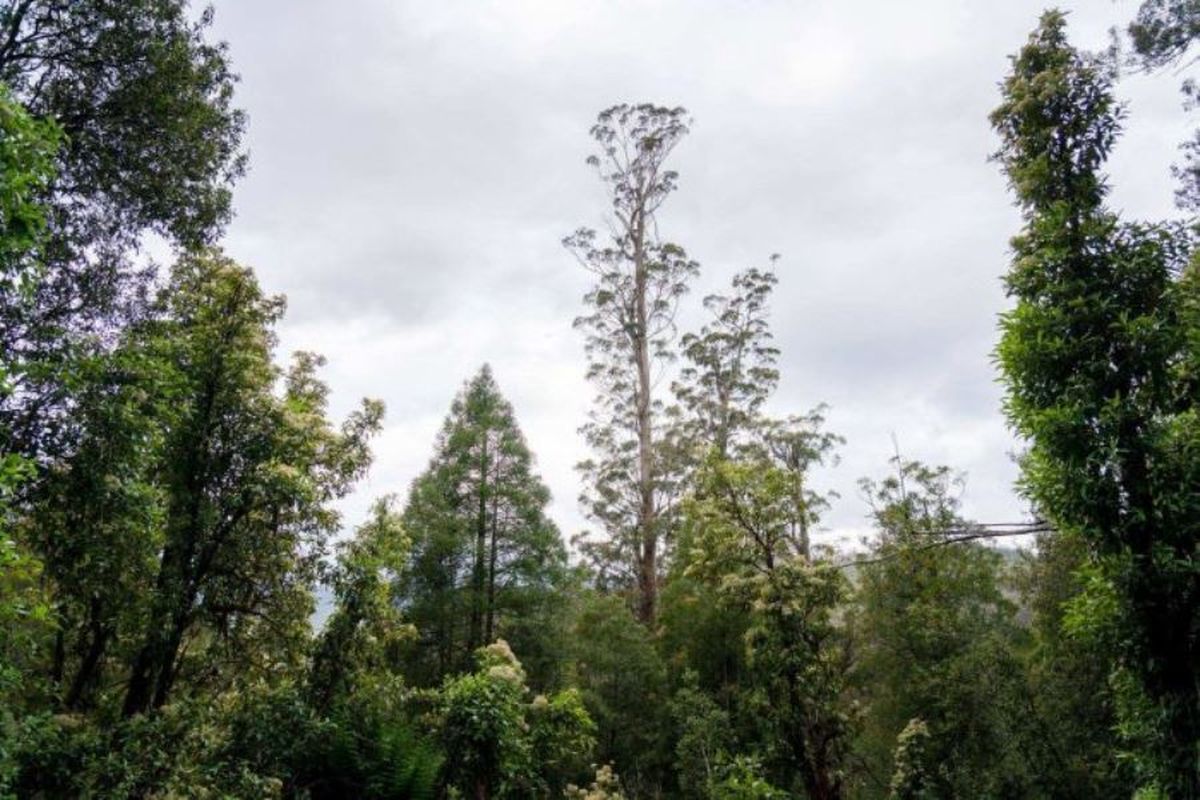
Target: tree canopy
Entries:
(188, 608)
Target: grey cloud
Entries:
(415, 164)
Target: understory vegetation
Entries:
(169, 485)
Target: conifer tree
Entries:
(483, 547)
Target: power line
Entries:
(951, 536)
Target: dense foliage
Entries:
(181, 616)
(1100, 359)
(151, 142)
(487, 563)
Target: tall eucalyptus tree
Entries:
(630, 329)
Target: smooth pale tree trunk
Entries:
(647, 524)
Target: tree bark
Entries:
(491, 576)
(478, 576)
(86, 676)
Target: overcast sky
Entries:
(414, 166)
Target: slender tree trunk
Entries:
(153, 667)
(445, 644)
(177, 585)
(478, 572)
(809, 755)
(802, 522)
(169, 668)
(141, 679)
(647, 524)
(86, 676)
(143, 673)
(137, 693)
(724, 428)
(58, 666)
(491, 576)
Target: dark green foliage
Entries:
(919, 774)
(27, 153)
(99, 519)
(372, 756)
(798, 662)
(247, 475)
(499, 743)
(256, 744)
(741, 779)
(1163, 30)
(27, 150)
(486, 561)
(1099, 357)
(623, 682)
(145, 103)
(1072, 704)
(701, 636)
(195, 508)
(151, 144)
(360, 643)
(702, 743)
(936, 638)
(561, 738)
(181, 751)
(745, 534)
(483, 715)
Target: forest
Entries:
(170, 488)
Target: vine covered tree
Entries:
(630, 329)
(1100, 361)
